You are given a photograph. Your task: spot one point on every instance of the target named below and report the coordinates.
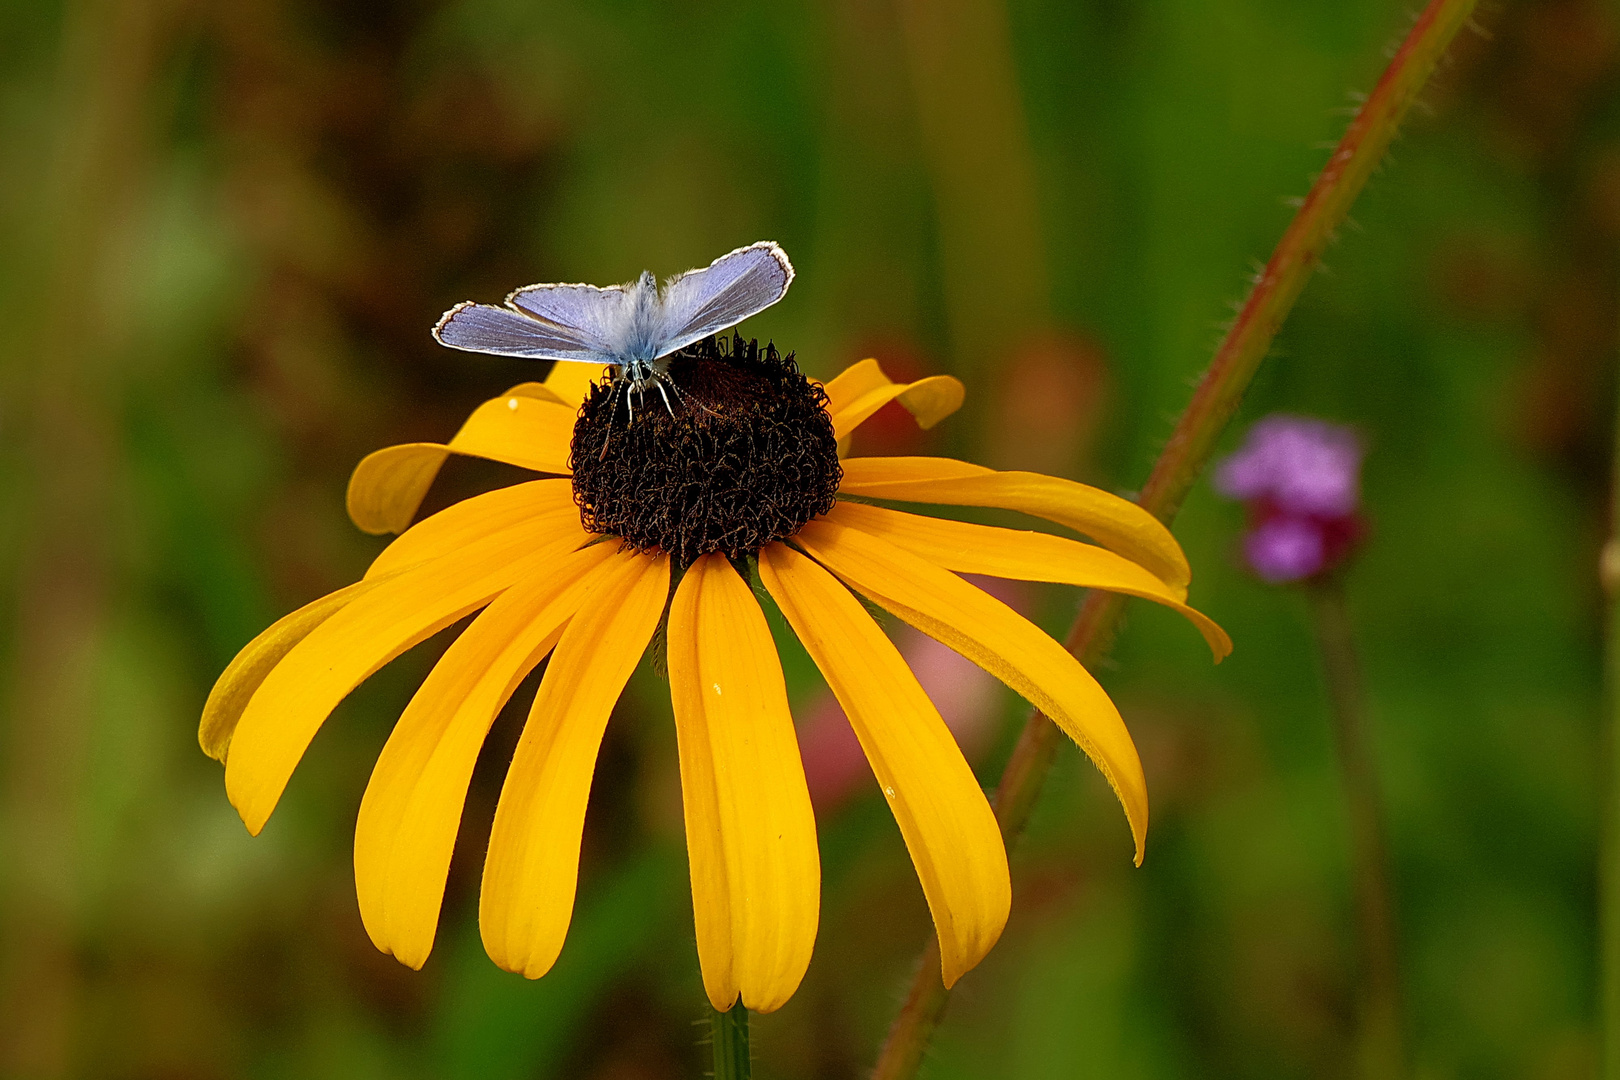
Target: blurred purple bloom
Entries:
(1286, 549)
(1303, 466)
(1301, 481)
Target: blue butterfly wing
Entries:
(721, 295)
(508, 332)
(596, 315)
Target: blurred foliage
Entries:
(228, 228)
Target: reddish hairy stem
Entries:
(1178, 466)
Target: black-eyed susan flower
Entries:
(665, 517)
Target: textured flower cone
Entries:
(544, 585)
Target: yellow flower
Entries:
(547, 587)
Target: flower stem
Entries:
(1609, 822)
(729, 1034)
(1219, 392)
(1381, 1055)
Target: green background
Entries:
(225, 230)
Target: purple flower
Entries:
(1301, 465)
(1285, 549)
(1301, 480)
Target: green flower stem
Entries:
(1183, 459)
(1609, 822)
(1380, 1054)
(729, 1034)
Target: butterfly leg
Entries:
(683, 400)
(659, 382)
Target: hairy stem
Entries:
(729, 1033)
(1219, 392)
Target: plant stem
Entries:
(1219, 392)
(1609, 822)
(1381, 1055)
(729, 1031)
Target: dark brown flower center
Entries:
(743, 455)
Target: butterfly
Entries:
(635, 326)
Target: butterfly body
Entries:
(641, 335)
(634, 327)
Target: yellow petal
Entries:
(530, 432)
(1026, 556)
(859, 378)
(540, 391)
(1115, 523)
(522, 431)
(947, 822)
(389, 484)
(750, 832)
(998, 639)
(862, 389)
(539, 503)
(243, 674)
(572, 381)
(412, 806)
(533, 862)
(396, 613)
